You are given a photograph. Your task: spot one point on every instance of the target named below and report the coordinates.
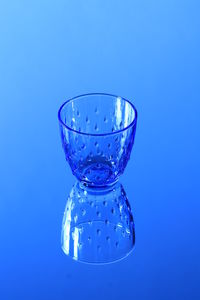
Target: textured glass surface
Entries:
(97, 132)
(97, 226)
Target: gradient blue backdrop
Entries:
(146, 51)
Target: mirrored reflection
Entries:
(98, 224)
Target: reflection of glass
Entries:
(97, 132)
(98, 224)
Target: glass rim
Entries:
(97, 134)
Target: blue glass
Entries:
(97, 225)
(97, 132)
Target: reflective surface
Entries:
(98, 224)
(147, 51)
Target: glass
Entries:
(97, 132)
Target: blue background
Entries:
(146, 51)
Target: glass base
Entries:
(90, 186)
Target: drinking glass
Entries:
(97, 132)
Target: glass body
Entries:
(97, 132)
